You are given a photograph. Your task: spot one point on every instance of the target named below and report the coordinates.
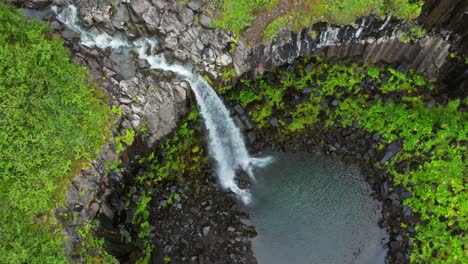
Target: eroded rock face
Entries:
(372, 41)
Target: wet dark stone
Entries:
(392, 150)
(307, 90)
(239, 109)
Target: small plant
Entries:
(171, 198)
(128, 137)
(413, 33)
(116, 110)
(272, 29)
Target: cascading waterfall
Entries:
(226, 144)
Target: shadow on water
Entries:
(310, 209)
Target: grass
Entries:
(434, 139)
(236, 15)
(273, 28)
(51, 120)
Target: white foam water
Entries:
(226, 144)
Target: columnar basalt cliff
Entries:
(371, 40)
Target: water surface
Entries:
(309, 209)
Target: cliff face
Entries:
(450, 15)
(374, 40)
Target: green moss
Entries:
(238, 14)
(433, 138)
(51, 120)
(412, 33)
(272, 29)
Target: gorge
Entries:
(363, 126)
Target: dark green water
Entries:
(308, 209)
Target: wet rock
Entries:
(431, 104)
(307, 90)
(252, 137)
(237, 121)
(246, 121)
(392, 149)
(239, 109)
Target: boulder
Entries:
(204, 20)
(195, 5)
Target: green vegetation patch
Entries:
(273, 28)
(394, 105)
(236, 15)
(51, 120)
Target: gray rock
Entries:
(107, 211)
(125, 100)
(431, 103)
(252, 137)
(195, 5)
(246, 121)
(204, 20)
(170, 23)
(392, 150)
(376, 137)
(274, 121)
(140, 6)
(152, 19)
(237, 121)
(231, 229)
(239, 109)
(307, 90)
(335, 102)
(224, 60)
(206, 230)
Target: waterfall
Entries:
(226, 144)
